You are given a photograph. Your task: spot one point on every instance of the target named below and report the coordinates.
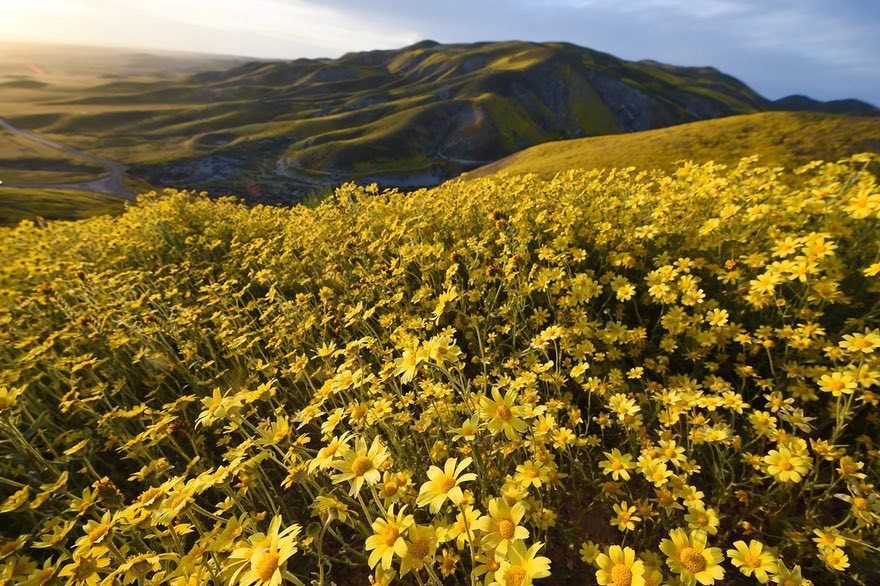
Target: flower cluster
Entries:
(640, 377)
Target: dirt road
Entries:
(111, 184)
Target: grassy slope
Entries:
(53, 204)
(26, 161)
(783, 138)
(105, 63)
(102, 100)
(435, 109)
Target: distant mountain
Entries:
(797, 103)
(787, 139)
(409, 117)
(422, 114)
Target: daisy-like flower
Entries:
(672, 452)
(522, 566)
(834, 558)
(617, 465)
(463, 530)
(86, 566)
(388, 538)
(792, 577)
(625, 517)
(502, 525)
(329, 508)
(407, 365)
(826, 539)
(383, 577)
(531, 474)
(361, 465)
(653, 577)
(657, 473)
(217, 407)
(391, 489)
(95, 532)
(136, 567)
(589, 552)
(261, 560)
(468, 430)
(752, 559)
(858, 342)
(785, 465)
(336, 447)
(619, 567)
(486, 564)
(421, 545)
(703, 519)
(837, 383)
(444, 484)
(688, 556)
(40, 575)
(8, 397)
(503, 414)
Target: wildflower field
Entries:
(610, 377)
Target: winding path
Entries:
(111, 184)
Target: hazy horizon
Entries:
(778, 48)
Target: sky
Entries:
(826, 49)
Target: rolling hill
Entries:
(18, 204)
(273, 130)
(788, 139)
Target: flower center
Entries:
(85, 569)
(98, 533)
(785, 465)
(446, 484)
(502, 412)
(390, 488)
(506, 528)
(860, 503)
(390, 535)
(692, 560)
(621, 575)
(752, 560)
(266, 566)
(361, 465)
(418, 549)
(514, 576)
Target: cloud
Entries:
(314, 25)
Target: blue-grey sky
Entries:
(824, 48)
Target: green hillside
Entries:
(54, 204)
(779, 138)
(24, 160)
(270, 130)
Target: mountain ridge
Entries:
(409, 117)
